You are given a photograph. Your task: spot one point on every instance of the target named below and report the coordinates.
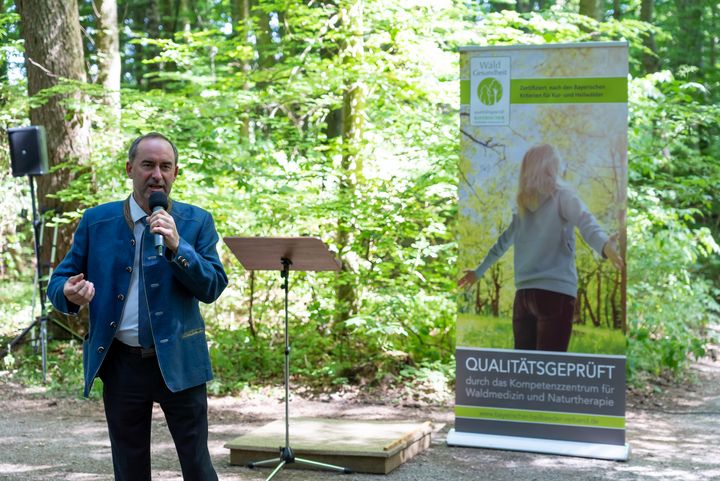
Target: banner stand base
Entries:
(537, 445)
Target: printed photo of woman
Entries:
(542, 232)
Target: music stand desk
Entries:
(284, 254)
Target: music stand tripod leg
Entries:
(317, 464)
(286, 453)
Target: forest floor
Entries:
(673, 432)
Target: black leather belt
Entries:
(135, 351)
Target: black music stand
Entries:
(284, 254)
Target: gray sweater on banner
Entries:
(544, 242)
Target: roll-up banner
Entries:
(542, 201)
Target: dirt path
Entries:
(674, 436)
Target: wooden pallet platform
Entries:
(361, 446)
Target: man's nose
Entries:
(156, 173)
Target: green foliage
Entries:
(64, 368)
(673, 181)
(17, 300)
(669, 312)
(496, 332)
(253, 120)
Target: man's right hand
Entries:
(79, 291)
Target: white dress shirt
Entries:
(127, 333)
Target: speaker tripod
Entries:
(303, 253)
(42, 320)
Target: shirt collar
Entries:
(136, 212)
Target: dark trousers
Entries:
(542, 320)
(131, 384)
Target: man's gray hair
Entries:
(152, 135)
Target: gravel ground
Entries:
(673, 435)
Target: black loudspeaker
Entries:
(28, 150)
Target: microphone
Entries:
(158, 201)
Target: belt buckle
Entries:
(149, 352)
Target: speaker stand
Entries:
(41, 321)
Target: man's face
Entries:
(153, 169)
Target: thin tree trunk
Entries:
(591, 8)
(713, 34)
(588, 307)
(598, 294)
(3, 60)
(614, 304)
(650, 61)
(353, 115)
(496, 290)
(154, 21)
(523, 6)
(139, 50)
(168, 17)
(263, 35)
(242, 23)
(107, 44)
(479, 302)
(577, 310)
(251, 323)
(690, 48)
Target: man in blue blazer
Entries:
(146, 338)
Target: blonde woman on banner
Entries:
(542, 230)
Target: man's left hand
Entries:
(161, 222)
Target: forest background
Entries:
(339, 119)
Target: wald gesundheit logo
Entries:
(489, 91)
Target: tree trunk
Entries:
(53, 50)
(107, 45)
(650, 61)
(577, 310)
(242, 23)
(138, 68)
(598, 300)
(240, 13)
(3, 60)
(251, 322)
(154, 24)
(263, 36)
(353, 115)
(496, 278)
(713, 34)
(592, 8)
(479, 302)
(616, 322)
(175, 18)
(168, 17)
(589, 309)
(690, 20)
(523, 6)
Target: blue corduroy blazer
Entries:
(103, 249)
